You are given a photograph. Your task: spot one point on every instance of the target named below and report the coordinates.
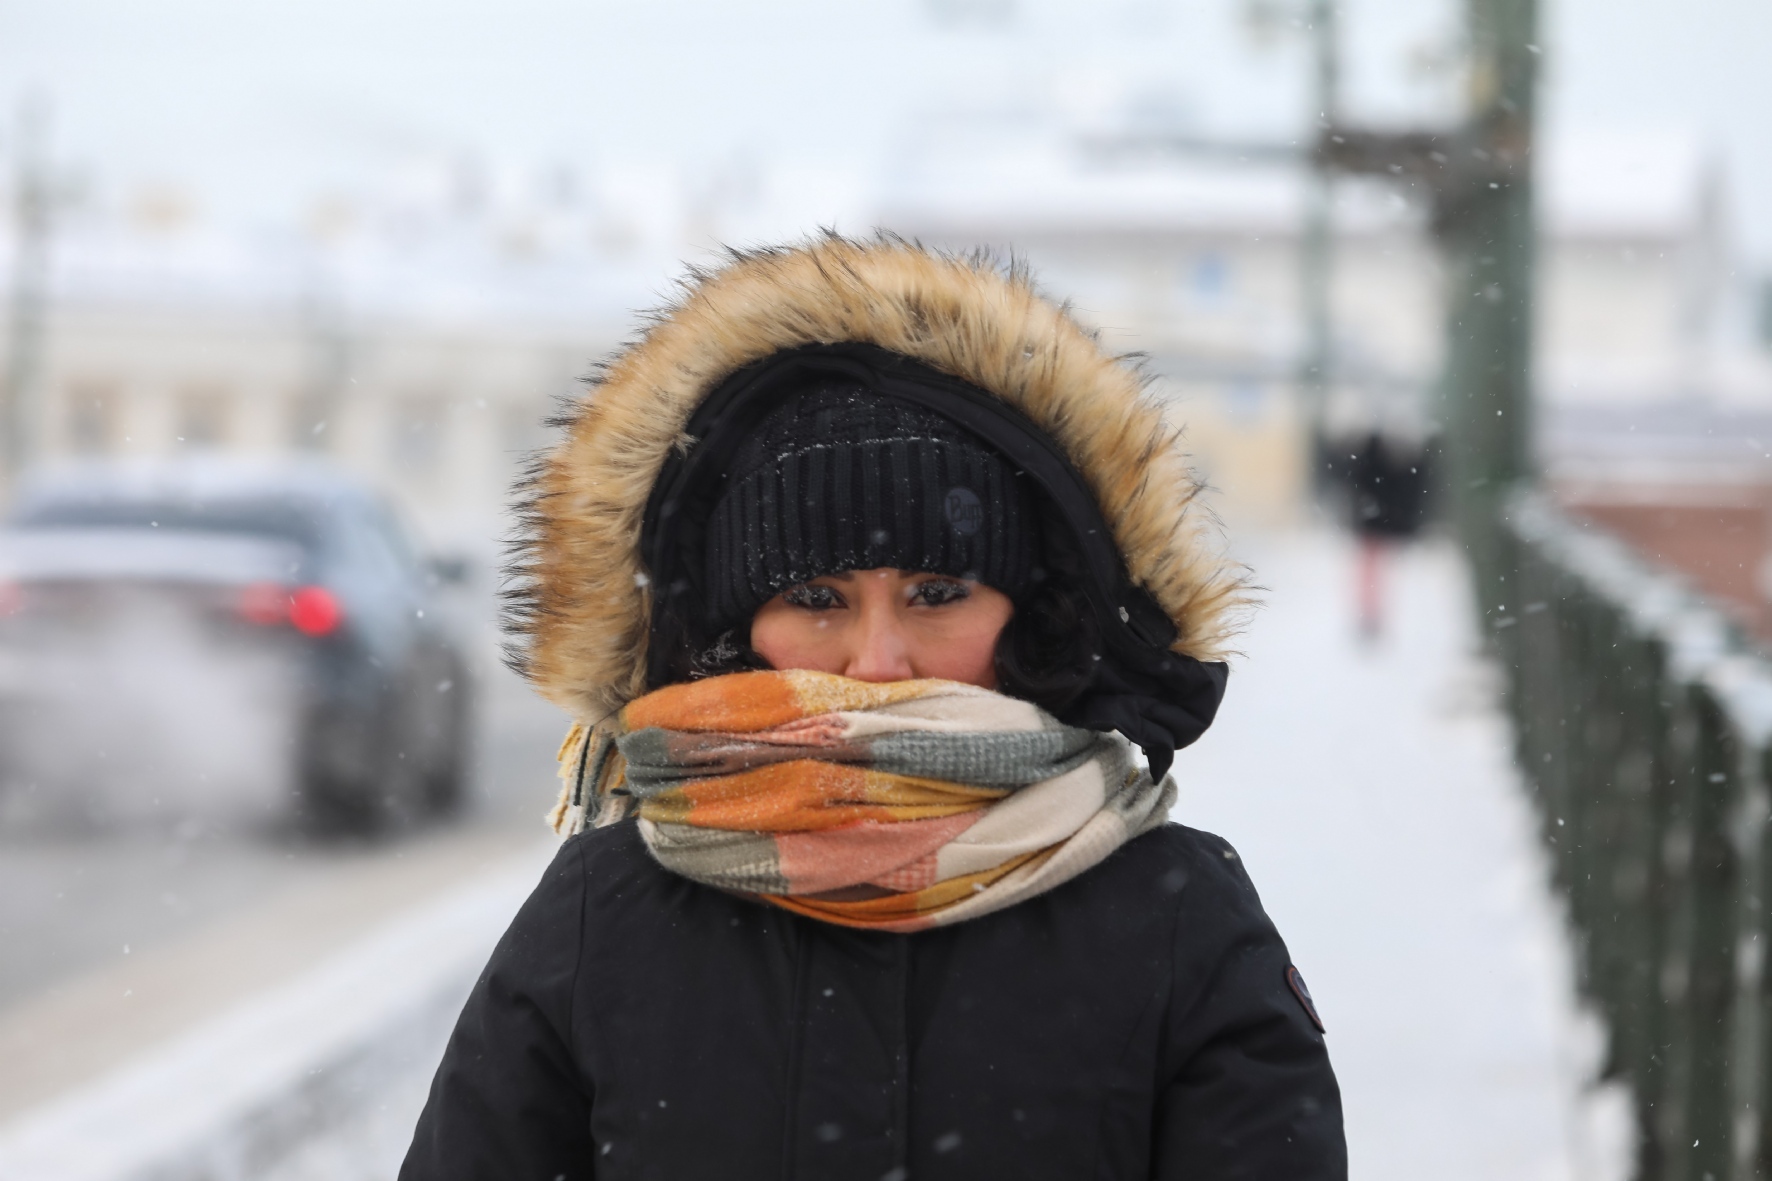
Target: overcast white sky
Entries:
(260, 105)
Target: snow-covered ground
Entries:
(1369, 789)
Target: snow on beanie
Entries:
(841, 478)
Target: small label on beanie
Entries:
(965, 512)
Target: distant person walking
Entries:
(1387, 497)
(864, 570)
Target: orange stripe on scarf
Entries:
(745, 702)
(810, 796)
(898, 856)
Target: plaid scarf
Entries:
(894, 806)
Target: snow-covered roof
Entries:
(1054, 187)
(1630, 184)
(1653, 183)
(580, 261)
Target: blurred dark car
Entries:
(290, 564)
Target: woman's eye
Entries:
(937, 591)
(812, 597)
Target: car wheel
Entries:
(446, 741)
(329, 805)
(347, 785)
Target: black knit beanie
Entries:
(842, 478)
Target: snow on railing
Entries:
(1644, 725)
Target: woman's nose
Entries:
(880, 648)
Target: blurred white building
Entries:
(1644, 334)
(420, 334)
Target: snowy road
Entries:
(118, 939)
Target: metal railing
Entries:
(1644, 727)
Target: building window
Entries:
(1244, 401)
(415, 426)
(94, 412)
(1207, 279)
(204, 418)
(309, 421)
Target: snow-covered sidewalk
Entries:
(1370, 791)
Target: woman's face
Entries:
(885, 625)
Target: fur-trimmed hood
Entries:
(581, 598)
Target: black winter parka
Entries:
(1136, 1022)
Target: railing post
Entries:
(1716, 872)
(1675, 967)
(1698, 959)
(1640, 1021)
(1751, 1025)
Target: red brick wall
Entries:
(1721, 546)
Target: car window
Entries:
(282, 520)
(360, 542)
(397, 540)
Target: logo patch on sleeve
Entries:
(1295, 981)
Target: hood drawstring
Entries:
(591, 772)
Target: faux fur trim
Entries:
(579, 604)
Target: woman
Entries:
(863, 569)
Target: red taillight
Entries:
(12, 599)
(311, 610)
(315, 611)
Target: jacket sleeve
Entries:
(1247, 1090)
(507, 1102)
